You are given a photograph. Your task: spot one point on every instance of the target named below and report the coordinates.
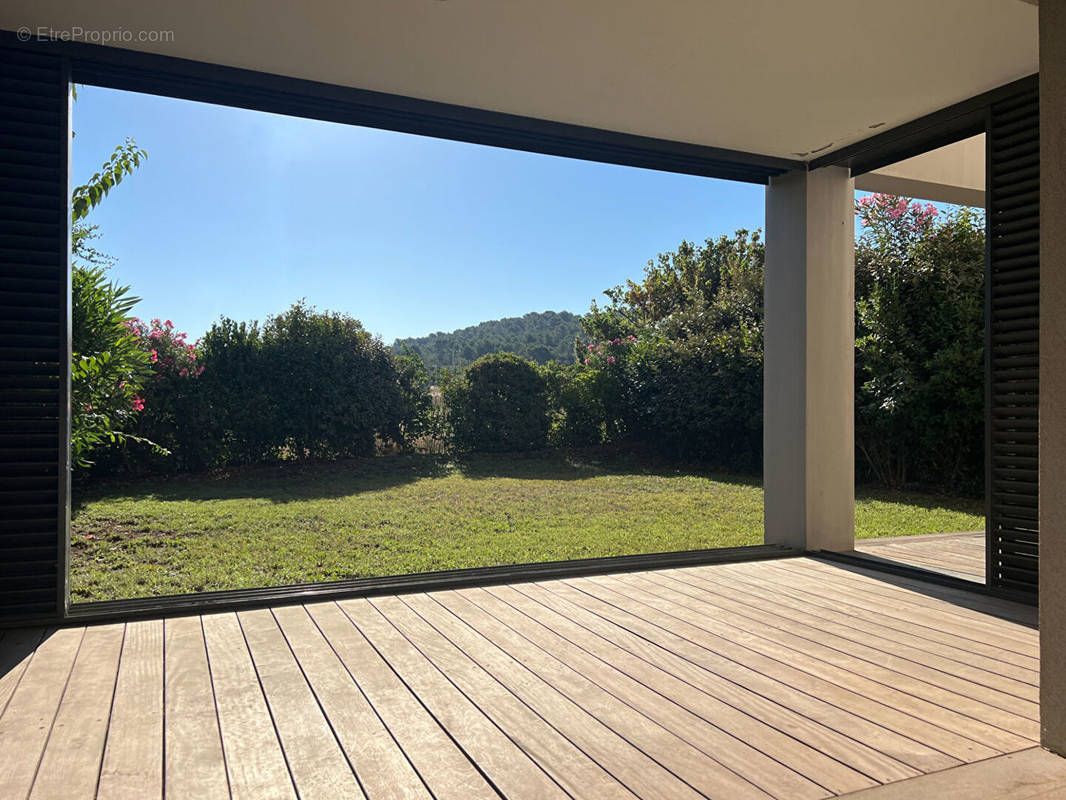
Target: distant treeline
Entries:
(540, 337)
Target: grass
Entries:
(406, 514)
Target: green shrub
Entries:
(919, 354)
(500, 404)
(107, 365)
(305, 384)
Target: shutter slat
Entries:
(1013, 339)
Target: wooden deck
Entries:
(792, 678)
(961, 555)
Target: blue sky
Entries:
(241, 213)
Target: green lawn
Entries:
(404, 514)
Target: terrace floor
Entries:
(786, 678)
(961, 555)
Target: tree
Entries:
(107, 365)
(682, 352)
(920, 343)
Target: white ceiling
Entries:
(778, 77)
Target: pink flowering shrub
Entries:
(919, 349)
(170, 353)
(607, 351)
(169, 409)
(897, 213)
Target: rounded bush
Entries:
(500, 404)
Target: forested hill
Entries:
(540, 337)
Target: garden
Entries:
(302, 448)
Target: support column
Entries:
(1053, 375)
(809, 367)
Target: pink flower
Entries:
(592, 347)
(610, 359)
(199, 371)
(137, 403)
(632, 338)
(616, 341)
(586, 362)
(155, 334)
(169, 324)
(184, 372)
(155, 356)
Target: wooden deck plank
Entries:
(30, 712)
(769, 584)
(70, 766)
(850, 600)
(949, 710)
(796, 678)
(964, 554)
(825, 586)
(570, 768)
(915, 651)
(780, 664)
(970, 613)
(382, 768)
(318, 766)
(905, 738)
(884, 656)
(16, 650)
(194, 764)
(638, 770)
(822, 726)
(255, 762)
(754, 747)
(133, 756)
(445, 769)
(389, 628)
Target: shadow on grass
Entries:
(927, 501)
(286, 483)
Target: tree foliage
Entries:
(499, 404)
(920, 344)
(107, 366)
(539, 337)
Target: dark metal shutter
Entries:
(1013, 281)
(34, 364)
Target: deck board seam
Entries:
(863, 615)
(974, 609)
(621, 700)
(372, 706)
(867, 701)
(214, 702)
(111, 710)
(395, 671)
(745, 667)
(266, 704)
(790, 607)
(55, 715)
(25, 669)
(740, 688)
(665, 697)
(864, 677)
(321, 709)
(806, 625)
(507, 689)
(962, 622)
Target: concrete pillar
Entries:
(809, 383)
(1053, 375)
